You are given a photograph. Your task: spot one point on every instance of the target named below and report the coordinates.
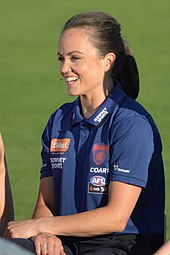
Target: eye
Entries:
(60, 58)
(74, 58)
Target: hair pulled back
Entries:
(105, 35)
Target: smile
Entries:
(71, 79)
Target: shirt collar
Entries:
(108, 107)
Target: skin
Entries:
(54, 244)
(83, 61)
(6, 204)
(164, 250)
(79, 64)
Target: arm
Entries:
(111, 218)
(46, 205)
(164, 250)
(6, 203)
(104, 220)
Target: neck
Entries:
(91, 103)
(88, 110)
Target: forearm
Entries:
(2, 201)
(91, 223)
(6, 203)
(164, 250)
(111, 218)
(108, 219)
(2, 191)
(2, 178)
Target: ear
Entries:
(109, 60)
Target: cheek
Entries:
(81, 69)
(96, 69)
(90, 66)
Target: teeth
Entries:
(70, 79)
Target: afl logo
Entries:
(98, 181)
(100, 152)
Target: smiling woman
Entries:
(102, 176)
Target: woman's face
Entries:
(81, 66)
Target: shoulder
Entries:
(131, 119)
(126, 107)
(132, 112)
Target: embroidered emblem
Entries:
(100, 152)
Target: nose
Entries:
(65, 67)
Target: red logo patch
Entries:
(100, 152)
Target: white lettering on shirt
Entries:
(101, 115)
(99, 170)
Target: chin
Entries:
(73, 93)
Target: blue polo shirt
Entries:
(120, 142)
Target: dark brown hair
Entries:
(106, 36)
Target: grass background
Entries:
(30, 87)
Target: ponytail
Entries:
(126, 72)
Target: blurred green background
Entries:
(30, 87)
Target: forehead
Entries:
(78, 32)
(75, 38)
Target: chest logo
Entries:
(97, 185)
(100, 152)
(98, 181)
(60, 145)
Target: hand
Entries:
(48, 244)
(21, 229)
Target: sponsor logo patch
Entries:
(100, 152)
(97, 184)
(60, 145)
(118, 169)
(99, 170)
(57, 163)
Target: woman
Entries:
(102, 178)
(6, 204)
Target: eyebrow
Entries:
(70, 53)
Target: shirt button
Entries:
(84, 134)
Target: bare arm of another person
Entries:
(164, 250)
(6, 203)
(108, 219)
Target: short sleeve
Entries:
(45, 153)
(131, 151)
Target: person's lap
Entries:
(29, 245)
(109, 245)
